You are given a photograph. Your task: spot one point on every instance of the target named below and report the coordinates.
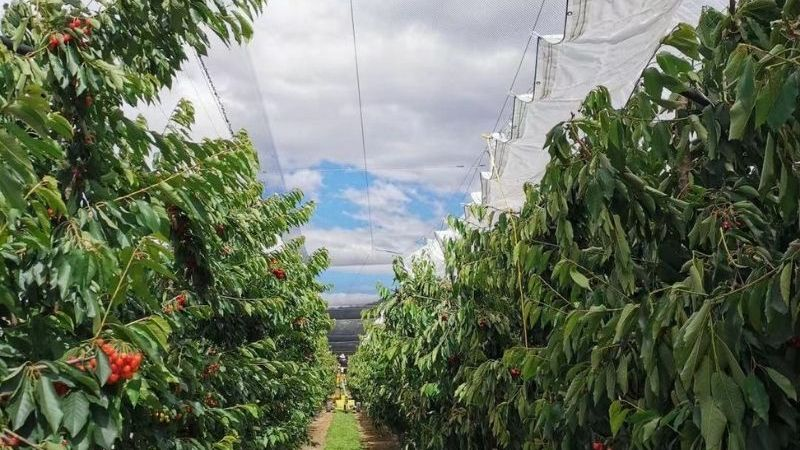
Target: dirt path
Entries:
(373, 438)
(318, 431)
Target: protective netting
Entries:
(604, 42)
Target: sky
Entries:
(434, 76)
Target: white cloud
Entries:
(383, 196)
(396, 229)
(434, 75)
(307, 180)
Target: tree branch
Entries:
(696, 96)
(23, 49)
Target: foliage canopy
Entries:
(152, 242)
(647, 295)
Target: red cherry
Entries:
(61, 388)
(67, 38)
(113, 378)
(55, 41)
(515, 373)
(75, 23)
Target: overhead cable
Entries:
(217, 99)
(363, 134)
(521, 62)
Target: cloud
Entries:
(396, 225)
(383, 197)
(434, 75)
(307, 180)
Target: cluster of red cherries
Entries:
(75, 24)
(210, 401)
(123, 365)
(178, 305)
(277, 272)
(211, 370)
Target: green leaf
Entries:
(712, 424)
(11, 190)
(742, 109)
(579, 278)
(61, 125)
(782, 382)
(684, 38)
(76, 412)
(105, 430)
(735, 63)
(103, 368)
(695, 322)
(133, 389)
(786, 282)
(19, 34)
(616, 416)
(768, 168)
(49, 403)
(622, 322)
(56, 66)
(757, 398)
(788, 194)
(23, 404)
(785, 103)
(672, 64)
(728, 396)
(72, 60)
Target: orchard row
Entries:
(646, 296)
(146, 298)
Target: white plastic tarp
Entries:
(607, 42)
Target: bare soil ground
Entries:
(373, 438)
(318, 431)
